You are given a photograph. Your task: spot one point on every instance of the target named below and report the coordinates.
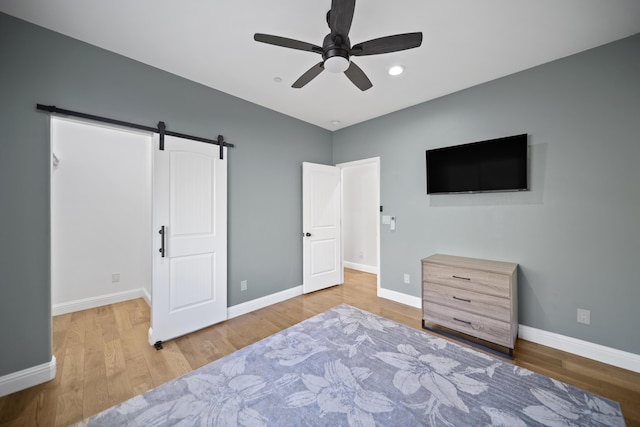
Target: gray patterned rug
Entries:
(350, 367)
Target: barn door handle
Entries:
(162, 232)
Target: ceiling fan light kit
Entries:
(336, 64)
(336, 47)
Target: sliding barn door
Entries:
(321, 226)
(189, 287)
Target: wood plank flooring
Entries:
(103, 356)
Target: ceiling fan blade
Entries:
(341, 16)
(311, 74)
(285, 42)
(387, 44)
(358, 77)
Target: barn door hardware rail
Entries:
(161, 129)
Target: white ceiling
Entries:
(466, 42)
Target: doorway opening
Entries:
(100, 215)
(360, 215)
(106, 189)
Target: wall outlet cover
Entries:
(584, 316)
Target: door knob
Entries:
(307, 234)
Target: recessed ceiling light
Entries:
(335, 122)
(277, 79)
(396, 70)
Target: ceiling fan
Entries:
(336, 48)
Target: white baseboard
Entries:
(400, 297)
(608, 355)
(360, 267)
(86, 303)
(258, 303)
(147, 296)
(29, 377)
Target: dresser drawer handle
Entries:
(462, 321)
(461, 299)
(461, 278)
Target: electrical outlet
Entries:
(407, 278)
(243, 285)
(115, 277)
(584, 316)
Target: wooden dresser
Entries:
(476, 297)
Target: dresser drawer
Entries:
(478, 326)
(484, 282)
(482, 304)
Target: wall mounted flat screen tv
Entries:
(494, 165)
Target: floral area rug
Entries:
(350, 367)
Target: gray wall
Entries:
(576, 234)
(39, 66)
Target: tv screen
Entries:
(493, 165)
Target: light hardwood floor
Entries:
(103, 357)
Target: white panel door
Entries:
(189, 286)
(322, 252)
